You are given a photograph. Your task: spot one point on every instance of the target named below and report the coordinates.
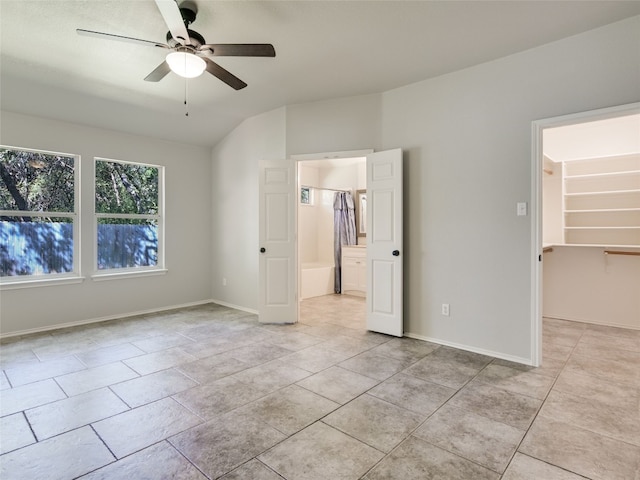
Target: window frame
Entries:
(159, 217)
(39, 280)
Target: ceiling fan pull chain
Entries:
(186, 107)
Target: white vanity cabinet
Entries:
(354, 270)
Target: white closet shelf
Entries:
(597, 210)
(601, 201)
(603, 175)
(632, 227)
(605, 192)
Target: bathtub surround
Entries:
(316, 279)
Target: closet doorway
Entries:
(587, 219)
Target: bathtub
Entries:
(316, 279)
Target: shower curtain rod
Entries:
(324, 188)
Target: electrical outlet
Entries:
(445, 309)
(224, 282)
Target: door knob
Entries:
(262, 250)
(396, 253)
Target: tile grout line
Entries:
(431, 415)
(544, 401)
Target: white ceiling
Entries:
(597, 139)
(325, 49)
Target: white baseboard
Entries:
(591, 322)
(502, 356)
(236, 307)
(104, 319)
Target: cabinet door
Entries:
(349, 273)
(362, 274)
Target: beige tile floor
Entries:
(207, 392)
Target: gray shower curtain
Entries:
(344, 230)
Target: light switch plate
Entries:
(522, 209)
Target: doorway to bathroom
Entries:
(278, 264)
(332, 279)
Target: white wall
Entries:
(552, 200)
(325, 236)
(188, 228)
(467, 143)
(335, 125)
(340, 177)
(583, 284)
(308, 215)
(234, 186)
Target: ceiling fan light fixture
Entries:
(186, 64)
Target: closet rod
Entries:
(619, 252)
(324, 188)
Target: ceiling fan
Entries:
(189, 54)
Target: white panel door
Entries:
(384, 242)
(277, 249)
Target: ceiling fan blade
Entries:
(159, 73)
(240, 49)
(224, 75)
(111, 36)
(173, 18)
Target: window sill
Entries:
(44, 282)
(103, 277)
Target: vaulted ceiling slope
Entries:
(325, 49)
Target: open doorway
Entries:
(587, 225)
(332, 279)
(278, 236)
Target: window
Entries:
(128, 211)
(305, 195)
(39, 228)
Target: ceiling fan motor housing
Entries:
(196, 39)
(188, 11)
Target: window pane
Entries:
(35, 246)
(305, 196)
(126, 188)
(36, 182)
(127, 243)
